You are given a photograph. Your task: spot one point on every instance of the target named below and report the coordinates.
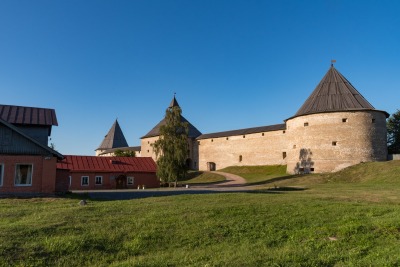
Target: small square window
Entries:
(284, 131)
(99, 180)
(244, 136)
(262, 134)
(334, 143)
(23, 174)
(311, 169)
(227, 138)
(344, 120)
(130, 180)
(305, 124)
(284, 155)
(85, 180)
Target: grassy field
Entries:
(350, 218)
(257, 174)
(198, 177)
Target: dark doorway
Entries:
(189, 163)
(120, 182)
(211, 166)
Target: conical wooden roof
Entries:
(193, 132)
(334, 93)
(114, 138)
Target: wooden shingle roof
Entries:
(260, 129)
(28, 115)
(334, 93)
(114, 138)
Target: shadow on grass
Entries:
(108, 196)
(276, 179)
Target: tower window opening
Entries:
(227, 138)
(240, 158)
(244, 136)
(334, 143)
(305, 124)
(344, 120)
(262, 134)
(284, 131)
(373, 120)
(283, 155)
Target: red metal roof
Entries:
(107, 164)
(28, 115)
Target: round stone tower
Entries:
(335, 128)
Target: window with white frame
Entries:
(130, 179)
(99, 180)
(1, 173)
(23, 174)
(85, 180)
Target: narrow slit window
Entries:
(373, 120)
(262, 134)
(284, 155)
(240, 158)
(212, 140)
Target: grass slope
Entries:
(198, 177)
(257, 174)
(351, 218)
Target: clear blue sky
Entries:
(233, 64)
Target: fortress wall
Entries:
(148, 151)
(255, 149)
(333, 141)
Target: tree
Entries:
(124, 153)
(393, 133)
(171, 147)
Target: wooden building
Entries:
(27, 164)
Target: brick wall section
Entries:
(264, 148)
(43, 174)
(150, 180)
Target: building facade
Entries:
(101, 173)
(27, 164)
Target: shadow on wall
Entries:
(305, 164)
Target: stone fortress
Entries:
(336, 127)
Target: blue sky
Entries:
(233, 64)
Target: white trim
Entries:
(1, 174)
(15, 174)
(127, 180)
(82, 180)
(101, 180)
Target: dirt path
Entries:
(231, 179)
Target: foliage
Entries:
(393, 133)
(333, 223)
(124, 153)
(172, 147)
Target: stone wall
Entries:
(264, 148)
(329, 142)
(148, 151)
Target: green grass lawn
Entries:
(351, 218)
(199, 177)
(257, 174)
